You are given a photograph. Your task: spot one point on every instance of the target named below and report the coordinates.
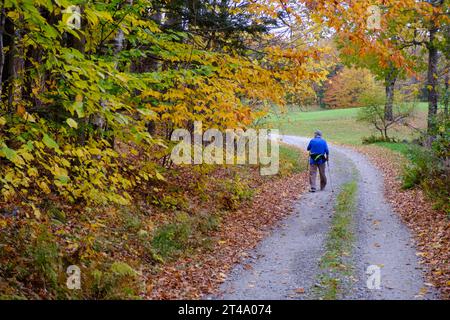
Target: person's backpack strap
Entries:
(316, 157)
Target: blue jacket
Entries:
(318, 146)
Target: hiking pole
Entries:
(329, 175)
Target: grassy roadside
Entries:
(292, 160)
(335, 267)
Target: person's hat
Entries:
(318, 133)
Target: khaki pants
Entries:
(313, 175)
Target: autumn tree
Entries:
(354, 55)
(410, 23)
(80, 86)
(373, 112)
(347, 86)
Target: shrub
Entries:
(130, 220)
(44, 255)
(375, 139)
(169, 202)
(427, 170)
(420, 166)
(235, 193)
(171, 238)
(182, 235)
(210, 222)
(119, 281)
(373, 113)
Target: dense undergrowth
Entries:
(431, 173)
(120, 248)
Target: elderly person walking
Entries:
(318, 156)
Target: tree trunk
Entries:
(8, 69)
(446, 93)
(433, 59)
(389, 83)
(16, 72)
(2, 53)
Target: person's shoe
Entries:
(312, 190)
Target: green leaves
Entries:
(49, 142)
(8, 153)
(78, 107)
(72, 123)
(98, 96)
(11, 155)
(159, 176)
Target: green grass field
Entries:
(339, 125)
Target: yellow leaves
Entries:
(421, 254)
(79, 152)
(3, 223)
(26, 155)
(159, 176)
(14, 15)
(72, 123)
(95, 151)
(77, 106)
(348, 87)
(28, 117)
(116, 198)
(220, 88)
(39, 145)
(61, 174)
(98, 224)
(8, 192)
(150, 93)
(93, 16)
(174, 94)
(32, 172)
(64, 162)
(36, 211)
(9, 177)
(44, 187)
(122, 77)
(104, 15)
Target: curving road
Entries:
(286, 264)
